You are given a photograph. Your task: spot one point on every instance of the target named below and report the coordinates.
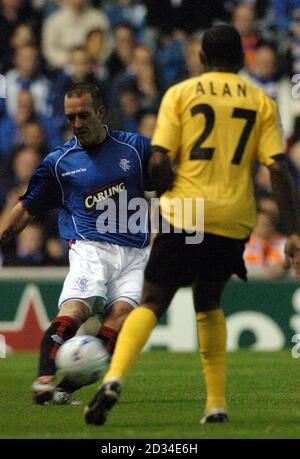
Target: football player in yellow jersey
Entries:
(215, 126)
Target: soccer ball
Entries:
(82, 359)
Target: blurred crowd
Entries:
(134, 50)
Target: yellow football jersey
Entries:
(215, 126)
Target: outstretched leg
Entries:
(71, 315)
(212, 346)
(132, 338)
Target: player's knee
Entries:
(154, 307)
(155, 303)
(77, 310)
(207, 295)
(116, 317)
(122, 313)
(157, 298)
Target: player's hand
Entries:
(292, 254)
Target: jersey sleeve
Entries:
(43, 192)
(270, 135)
(167, 132)
(145, 153)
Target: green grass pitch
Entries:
(163, 397)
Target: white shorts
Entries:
(102, 273)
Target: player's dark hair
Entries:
(222, 48)
(86, 87)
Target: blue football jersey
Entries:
(79, 182)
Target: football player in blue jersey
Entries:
(106, 267)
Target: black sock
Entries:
(69, 386)
(61, 329)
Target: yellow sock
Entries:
(131, 340)
(212, 339)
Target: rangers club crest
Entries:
(124, 164)
(81, 283)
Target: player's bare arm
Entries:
(287, 200)
(13, 223)
(160, 170)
